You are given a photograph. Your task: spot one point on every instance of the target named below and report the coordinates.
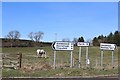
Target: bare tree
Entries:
(31, 36)
(75, 40)
(13, 34)
(36, 36)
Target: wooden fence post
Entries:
(20, 59)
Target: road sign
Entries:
(84, 44)
(59, 45)
(106, 46)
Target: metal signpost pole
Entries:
(109, 47)
(83, 44)
(112, 58)
(54, 65)
(62, 46)
(80, 52)
(86, 56)
(101, 59)
(71, 59)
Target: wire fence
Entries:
(15, 61)
(96, 63)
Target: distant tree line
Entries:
(13, 39)
(23, 43)
(111, 38)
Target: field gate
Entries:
(13, 61)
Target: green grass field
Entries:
(32, 66)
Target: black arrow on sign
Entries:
(53, 45)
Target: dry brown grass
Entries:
(26, 67)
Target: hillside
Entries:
(22, 43)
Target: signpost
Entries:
(109, 47)
(106, 46)
(62, 46)
(58, 46)
(54, 65)
(83, 44)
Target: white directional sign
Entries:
(106, 46)
(83, 44)
(58, 45)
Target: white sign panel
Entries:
(62, 45)
(106, 46)
(83, 44)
